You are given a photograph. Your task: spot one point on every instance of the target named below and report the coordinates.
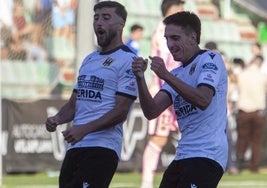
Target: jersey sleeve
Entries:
(212, 66)
(168, 89)
(126, 79)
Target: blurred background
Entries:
(40, 52)
(43, 43)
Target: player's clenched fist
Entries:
(139, 66)
(51, 124)
(158, 66)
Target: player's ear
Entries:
(121, 25)
(193, 37)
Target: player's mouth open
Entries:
(100, 32)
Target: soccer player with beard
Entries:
(197, 90)
(101, 100)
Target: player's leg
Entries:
(257, 129)
(171, 176)
(67, 169)
(243, 137)
(93, 167)
(193, 172)
(99, 167)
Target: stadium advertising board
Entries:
(28, 147)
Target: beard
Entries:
(105, 39)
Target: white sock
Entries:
(146, 184)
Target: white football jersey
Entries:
(101, 77)
(203, 131)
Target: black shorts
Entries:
(91, 167)
(192, 172)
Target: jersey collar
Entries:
(192, 58)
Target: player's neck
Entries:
(112, 45)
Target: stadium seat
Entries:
(8, 72)
(236, 49)
(22, 79)
(60, 48)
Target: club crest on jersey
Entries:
(108, 61)
(192, 69)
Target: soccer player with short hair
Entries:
(198, 92)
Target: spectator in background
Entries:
(4, 52)
(35, 51)
(238, 65)
(6, 14)
(13, 49)
(6, 25)
(256, 50)
(136, 34)
(42, 20)
(6, 36)
(63, 18)
(252, 84)
(18, 15)
(16, 50)
(211, 45)
(22, 29)
(159, 129)
(25, 36)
